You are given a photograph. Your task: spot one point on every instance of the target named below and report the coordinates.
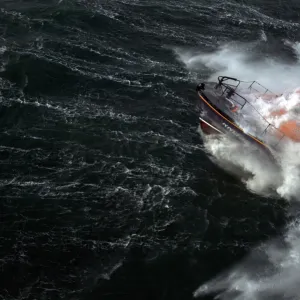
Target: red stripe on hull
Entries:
(207, 129)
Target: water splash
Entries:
(243, 62)
(282, 180)
(272, 270)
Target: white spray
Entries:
(272, 271)
(279, 78)
(237, 61)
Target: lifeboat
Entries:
(227, 106)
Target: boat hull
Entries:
(215, 121)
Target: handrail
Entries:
(221, 79)
(232, 89)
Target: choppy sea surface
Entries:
(107, 189)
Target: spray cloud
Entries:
(271, 271)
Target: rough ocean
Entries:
(108, 191)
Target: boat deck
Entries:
(242, 94)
